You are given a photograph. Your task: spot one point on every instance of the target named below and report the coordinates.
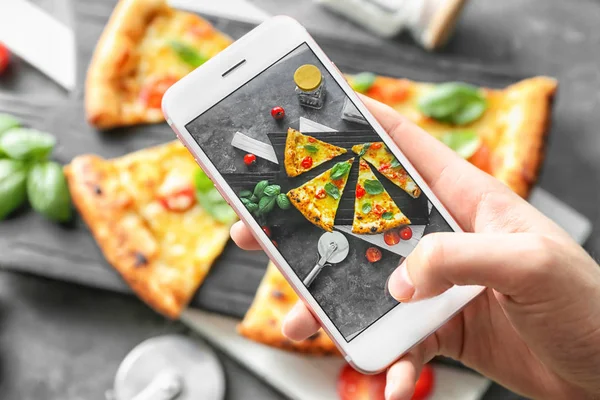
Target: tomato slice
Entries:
(389, 90)
(321, 193)
(425, 383)
(391, 237)
(153, 92)
(352, 385)
(375, 146)
(180, 200)
(201, 31)
(307, 162)
(378, 210)
(360, 191)
(4, 57)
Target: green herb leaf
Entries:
(332, 190)
(311, 148)
(266, 205)
(26, 144)
(252, 207)
(395, 163)
(362, 82)
(373, 186)
(254, 199)
(8, 122)
(48, 192)
(13, 189)
(366, 208)
(245, 194)
(202, 182)
(259, 189)
(364, 149)
(455, 103)
(213, 203)
(465, 143)
(188, 54)
(387, 215)
(272, 190)
(340, 170)
(283, 202)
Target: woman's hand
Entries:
(536, 329)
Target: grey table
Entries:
(61, 341)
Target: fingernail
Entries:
(390, 389)
(400, 285)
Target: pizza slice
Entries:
(303, 153)
(263, 320)
(319, 198)
(143, 212)
(378, 155)
(145, 48)
(501, 131)
(374, 209)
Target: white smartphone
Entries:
(234, 113)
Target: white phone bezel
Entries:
(405, 325)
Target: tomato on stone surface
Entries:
(352, 385)
(373, 254)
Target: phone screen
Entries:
(338, 205)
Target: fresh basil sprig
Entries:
(13, 192)
(332, 190)
(262, 200)
(283, 202)
(464, 143)
(48, 192)
(188, 54)
(26, 144)
(454, 103)
(272, 190)
(7, 122)
(340, 170)
(211, 200)
(259, 189)
(373, 186)
(266, 204)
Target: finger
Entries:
(518, 264)
(401, 377)
(300, 324)
(242, 236)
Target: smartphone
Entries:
(307, 185)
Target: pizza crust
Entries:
(263, 320)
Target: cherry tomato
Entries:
(352, 385)
(375, 146)
(249, 159)
(201, 31)
(267, 230)
(481, 158)
(277, 112)
(425, 383)
(321, 193)
(307, 162)
(153, 92)
(360, 191)
(391, 237)
(180, 200)
(378, 210)
(311, 139)
(274, 243)
(384, 167)
(406, 233)
(4, 57)
(373, 254)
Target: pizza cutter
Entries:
(333, 248)
(171, 367)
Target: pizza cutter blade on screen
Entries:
(333, 248)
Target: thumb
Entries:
(513, 264)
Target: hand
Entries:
(536, 329)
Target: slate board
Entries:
(28, 243)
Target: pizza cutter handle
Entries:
(167, 385)
(317, 268)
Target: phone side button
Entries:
(347, 358)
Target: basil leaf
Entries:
(266, 205)
(202, 182)
(465, 143)
(13, 188)
(283, 202)
(364, 149)
(395, 163)
(311, 148)
(332, 190)
(26, 144)
(272, 190)
(362, 82)
(188, 54)
(260, 188)
(387, 215)
(253, 199)
(252, 207)
(454, 102)
(8, 122)
(340, 170)
(213, 203)
(373, 186)
(245, 194)
(366, 208)
(48, 192)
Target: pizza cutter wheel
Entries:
(333, 248)
(171, 367)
